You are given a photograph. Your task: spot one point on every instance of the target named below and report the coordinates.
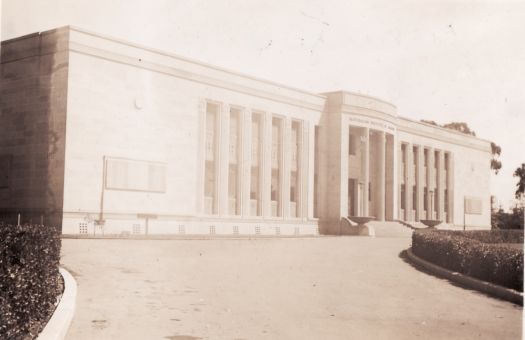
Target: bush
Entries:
(29, 278)
(485, 255)
(512, 220)
(490, 236)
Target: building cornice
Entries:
(124, 52)
(442, 134)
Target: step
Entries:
(390, 229)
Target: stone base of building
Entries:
(154, 225)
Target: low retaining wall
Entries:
(470, 282)
(58, 325)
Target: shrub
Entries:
(490, 236)
(484, 256)
(29, 278)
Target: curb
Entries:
(492, 289)
(58, 325)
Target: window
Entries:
(414, 197)
(210, 168)
(446, 201)
(234, 203)
(275, 188)
(352, 144)
(316, 172)
(255, 180)
(295, 174)
(403, 195)
(425, 199)
(425, 155)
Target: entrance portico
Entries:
(362, 157)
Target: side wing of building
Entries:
(159, 144)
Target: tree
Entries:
(461, 127)
(520, 173)
(431, 122)
(495, 163)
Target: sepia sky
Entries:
(438, 60)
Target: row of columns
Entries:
(380, 188)
(264, 163)
(435, 182)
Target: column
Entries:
(224, 147)
(390, 172)
(366, 165)
(286, 163)
(246, 161)
(409, 181)
(306, 173)
(420, 175)
(382, 176)
(266, 166)
(440, 186)
(307, 192)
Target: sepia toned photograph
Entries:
(252, 170)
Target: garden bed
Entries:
(30, 281)
(492, 256)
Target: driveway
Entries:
(295, 288)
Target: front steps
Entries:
(390, 229)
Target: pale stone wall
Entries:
(133, 108)
(33, 91)
(471, 166)
(128, 104)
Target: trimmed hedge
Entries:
(480, 254)
(29, 278)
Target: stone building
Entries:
(100, 136)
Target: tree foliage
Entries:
(461, 127)
(520, 173)
(495, 163)
(431, 122)
(511, 220)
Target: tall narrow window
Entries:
(403, 162)
(425, 199)
(437, 165)
(234, 206)
(352, 143)
(316, 172)
(446, 201)
(414, 197)
(276, 167)
(403, 194)
(295, 169)
(446, 177)
(255, 179)
(416, 165)
(210, 172)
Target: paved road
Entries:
(307, 288)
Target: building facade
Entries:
(102, 136)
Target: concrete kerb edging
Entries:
(470, 282)
(58, 325)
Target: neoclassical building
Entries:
(102, 136)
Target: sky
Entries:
(436, 60)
